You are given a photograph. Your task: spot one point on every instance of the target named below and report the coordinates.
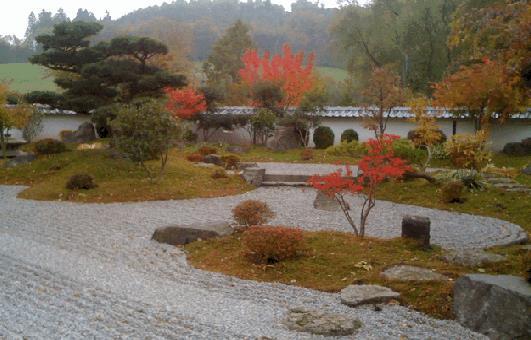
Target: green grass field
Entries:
(25, 78)
(335, 73)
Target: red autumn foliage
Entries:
(286, 69)
(271, 244)
(195, 157)
(185, 103)
(378, 165)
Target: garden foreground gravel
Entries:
(90, 271)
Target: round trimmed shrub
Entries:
(452, 192)
(272, 244)
(323, 137)
(81, 181)
(307, 154)
(231, 162)
(516, 149)
(252, 212)
(349, 135)
(49, 146)
(207, 150)
(195, 157)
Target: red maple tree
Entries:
(185, 103)
(286, 69)
(378, 165)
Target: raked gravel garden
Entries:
(72, 270)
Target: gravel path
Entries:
(75, 271)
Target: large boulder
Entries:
(324, 202)
(498, 306)
(355, 295)
(321, 323)
(181, 235)
(411, 273)
(284, 138)
(85, 133)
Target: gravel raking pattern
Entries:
(90, 271)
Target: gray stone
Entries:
(321, 323)
(213, 159)
(204, 165)
(254, 176)
(245, 165)
(411, 273)
(180, 235)
(284, 138)
(324, 202)
(85, 133)
(355, 295)
(20, 158)
(527, 170)
(472, 257)
(498, 306)
(417, 228)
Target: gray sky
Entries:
(14, 13)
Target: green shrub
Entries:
(49, 147)
(81, 181)
(452, 192)
(268, 245)
(438, 151)
(471, 179)
(406, 150)
(231, 162)
(143, 131)
(207, 150)
(349, 135)
(323, 137)
(189, 136)
(252, 212)
(347, 149)
(44, 97)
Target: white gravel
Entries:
(90, 271)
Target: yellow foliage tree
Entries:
(10, 117)
(427, 133)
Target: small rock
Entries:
(496, 305)
(527, 170)
(325, 202)
(213, 159)
(355, 295)
(412, 273)
(321, 323)
(472, 257)
(204, 165)
(181, 235)
(21, 158)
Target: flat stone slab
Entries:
(412, 273)
(321, 323)
(472, 257)
(355, 295)
(181, 235)
(498, 306)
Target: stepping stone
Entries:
(181, 235)
(355, 295)
(472, 257)
(321, 323)
(411, 273)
